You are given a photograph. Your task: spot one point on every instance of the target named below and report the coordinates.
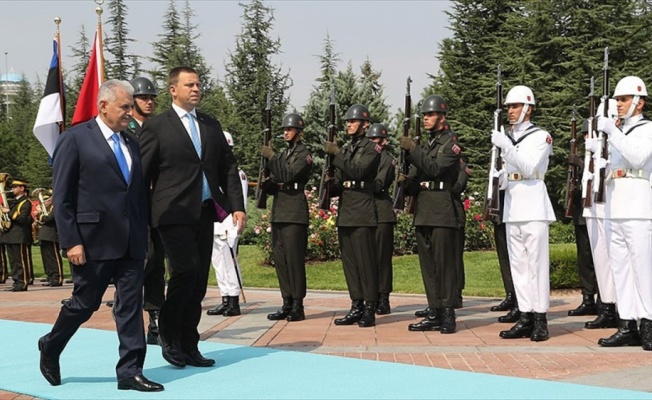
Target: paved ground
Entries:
(571, 355)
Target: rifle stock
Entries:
(491, 206)
(600, 194)
(263, 175)
(571, 183)
(412, 200)
(403, 166)
(324, 199)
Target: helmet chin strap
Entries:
(522, 116)
(632, 107)
(140, 110)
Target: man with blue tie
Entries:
(194, 183)
(101, 213)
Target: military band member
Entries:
(525, 150)
(49, 243)
(3, 260)
(357, 164)
(628, 217)
(18, 239)
(289, 172)
(377, 133)
(434, 168)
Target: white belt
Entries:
(515, 176)
(630, 173)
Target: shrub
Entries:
(563, 267)
(562, 233)
(479, 233)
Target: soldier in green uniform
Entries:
(377, 133)
(18, 239)
(434, 169)
(289, 173)
(49, 242)
(356, 168)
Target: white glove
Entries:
(602, 163)
(500, 139)
(496, 173)
(593, 145)
(606, 125)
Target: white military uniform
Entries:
(628, 217)
(225, 246)
(527, 214)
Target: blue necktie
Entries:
(120, 156)
(205, 190)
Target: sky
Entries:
(400, 38)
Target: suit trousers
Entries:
(154, 286)
(20, 259)
(289, 243)
(438, 261)
(599, 250)
(529, 258)
(500, 237)
(588, 283)
(385, 250)
(52, 262)
(4, 266)
(630, 257)
(189, 249)
(226, 270)
(358, 248)
(91, 281)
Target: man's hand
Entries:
(593, 145)
(500, 139)
(76, 255)
(401, 178)
(331, 148)
(267, 152)
(240, 220)
(407, 143)
(606, 125)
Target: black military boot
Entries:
(459, 300)
(627, 335)
(448, 324)
(507, 304)
(296, 312)
(646, 334)
(233, 307)
(422, 313)
(607, 317)
(432, 321)
(354, 314)
(588, 307)
(152, 328)
(512, 316)
(522, 329)
(540, 331)
(219, 309)
(282, 312)
(383, 304)
(368, 315)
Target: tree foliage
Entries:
(121, 65)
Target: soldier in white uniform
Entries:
(628, 213)
(225, 248)
(607, 317)
(527, 212)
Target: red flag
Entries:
(87, 102)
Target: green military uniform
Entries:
(433, 171)
(456, 190)
(290, 171)
(500, 238)
(386, 221)
(18, 241)
(134, 127)
(50, 250)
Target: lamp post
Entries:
(7, 80)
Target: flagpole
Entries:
(100, 40)
(62, 127)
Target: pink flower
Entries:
(477, 217)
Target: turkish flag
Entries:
(87, 102)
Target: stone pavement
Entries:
(571, 354)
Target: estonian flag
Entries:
(50, 112)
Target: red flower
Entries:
(481, 226)
(467, 204)
(477, 217)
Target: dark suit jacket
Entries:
(172, 166)
(93, 205)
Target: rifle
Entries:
(263, 175)
(417, 139)
(403, 165)
(492, 200)
(599, 196)
(324, 202)
(571, 183)
(587, 190)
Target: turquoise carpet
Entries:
(88, 372)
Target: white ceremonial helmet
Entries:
(631, 86)
(229, 138)
(520, 95)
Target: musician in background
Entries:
(49, 242)
(18, 239)
(3, 254)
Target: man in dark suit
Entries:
(101, 212)
(194, 182)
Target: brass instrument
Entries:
(5, 220)
(38, 193)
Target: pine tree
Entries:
(167, 51)
(74, 77)
(121, 65)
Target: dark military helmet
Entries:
(357, 111)
(434, 103)
(293, 121)
(143, 87)
(377, 131)
(585, 126)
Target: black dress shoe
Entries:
(172, 353)
(140, 383)
(49, 366)
(68, 281)
(46, 284)
(67, 301)
(195, 359)
(43, 280)
(16, 289)
(422, 313)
